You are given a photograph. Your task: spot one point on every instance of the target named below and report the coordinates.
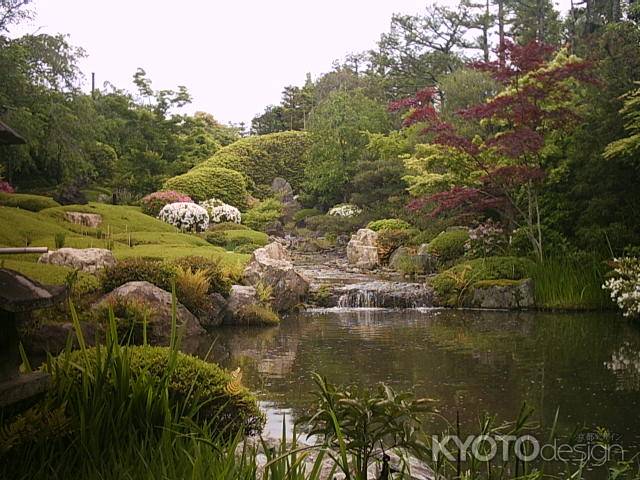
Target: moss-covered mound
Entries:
(453, 284)
(448, 246)
(193, 385)
(261, 158)
(33, 203)
(211, 181)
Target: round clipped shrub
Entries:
(345, 210)
(185, 216)
(137, 270)
(449, 245)
(193, 385)
(263, 214)
(247, 248)
(207, 182)
(261, 158)
(388, 224)
(220, 212)
(154, 202)
(33, 203)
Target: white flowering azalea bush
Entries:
(624, 285)
(186, 216)
(345, 210)
(221, 212)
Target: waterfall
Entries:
(382, 294)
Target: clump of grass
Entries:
(570, 284)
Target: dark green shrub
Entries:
(261, 158)
(306, 213)
(246, 248)
(388, 224)
(59, 239)
(448, 246)
(390, 240)
(333, 224)
(33, 203)
(219, 239)
(137, 270)
(193, 385)
(223, 226)
(208, 182)
(263, 213)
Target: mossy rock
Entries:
(448, 246)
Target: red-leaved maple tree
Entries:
(538, 97)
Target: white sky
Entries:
(234, 57)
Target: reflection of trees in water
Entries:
(625, 364)
(469, 361)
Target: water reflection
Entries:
(588, 365)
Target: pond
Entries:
(470, 362)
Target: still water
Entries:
(470, 362)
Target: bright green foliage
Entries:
(33, 203)
(262, 214)
(211, 182)
(262, 158)
(448, 246)
(388, 224)
(193, 385)
(356, 422)
(451, 285)
(257, 315)
(215, 274)
(628, 146)
(338, 129)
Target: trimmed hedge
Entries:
(33, 203)
(261, 158)
(207, 182)
(388, 224)
(194, 385)
(448, 246)
(264, 213)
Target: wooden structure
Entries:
(20, 294)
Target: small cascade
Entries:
(383, 294)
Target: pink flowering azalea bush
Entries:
(6, 187)
(487, 239)
(154, 202)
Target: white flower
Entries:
(625, 286)
(185, 216)
(345, 210)
(221, 212)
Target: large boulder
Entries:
(86, 219)
(362, 251)
(502, 294)
(88, 260)
(272, 266)
(417, 262)
(160, 303)
(240, 297)
(282, 189)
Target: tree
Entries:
(13, 11)
(420, 49)
(337, 129)
(628, 146)
(504, 168)
(272, 120)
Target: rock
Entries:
(289, 210)
(86, 219)
(159, 301)
(274, 229)
(419, 263)
(214, 315)
(88, 260)
(362, 251)
(240, 297)
(282, 189)
(272, 266)
(502, 294)
(52, 337)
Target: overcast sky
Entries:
(233, 56)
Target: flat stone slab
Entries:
(23, 387)
(82, 218)
(21, 294)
